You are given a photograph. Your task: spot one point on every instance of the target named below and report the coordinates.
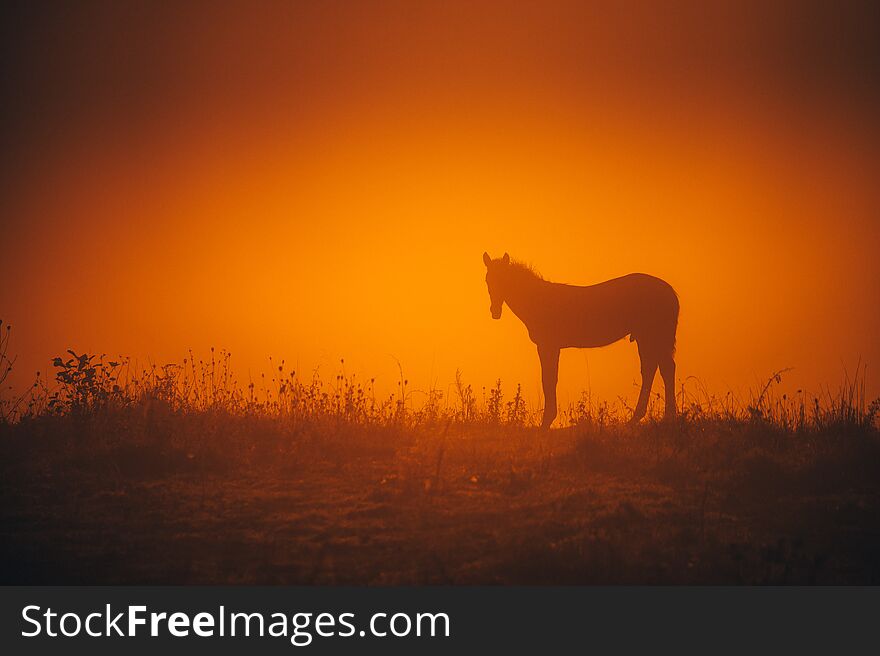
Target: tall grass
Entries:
(87, 385)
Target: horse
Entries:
(560, 316)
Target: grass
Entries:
(180, 474)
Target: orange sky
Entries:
(319, 181)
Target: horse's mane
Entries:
(521, 269)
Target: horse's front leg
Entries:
(549, 374)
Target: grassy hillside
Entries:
(180, 475)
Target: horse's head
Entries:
(496, 281)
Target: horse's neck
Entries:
(525, 300)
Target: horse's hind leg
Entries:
(649, 369)
(667, 370)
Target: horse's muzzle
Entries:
(496, 313)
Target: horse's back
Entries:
(641, 288)
(637, 304)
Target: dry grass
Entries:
(180, 474)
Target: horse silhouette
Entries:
(563, 316)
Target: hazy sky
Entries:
(319, 180)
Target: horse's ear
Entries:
(506, 258)
(486, 258)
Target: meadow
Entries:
(179, 474)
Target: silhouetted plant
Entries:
(584, 412)
(467, 401)
(8, 402)
(494, 404)
(757, 409)
(517, 414)
(85, 384)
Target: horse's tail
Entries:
(676, 307)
